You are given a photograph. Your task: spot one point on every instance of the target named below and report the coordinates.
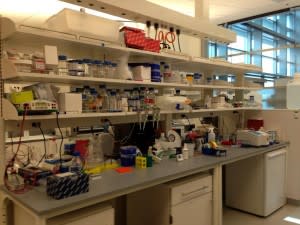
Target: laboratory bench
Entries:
(110, 184)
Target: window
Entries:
(266, 42)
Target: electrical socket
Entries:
(36, 124)
(15, 88)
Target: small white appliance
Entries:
(257, 184)
(70, 103)
(253, 138)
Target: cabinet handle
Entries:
(184, 194)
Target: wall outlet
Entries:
(15, 88)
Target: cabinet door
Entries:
(197, 211)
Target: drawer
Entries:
(86, 216)
(189, 188)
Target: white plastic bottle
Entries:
(211, 135)
(185, 151)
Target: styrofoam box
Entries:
(141, 73)
(81, 23)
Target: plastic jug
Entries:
(211, 136)
(293, 93)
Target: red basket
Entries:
(152, 45)
(134, 38)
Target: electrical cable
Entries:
(125, 139)
(62, 139)
(178, 41)
(9, 168)
(45, 147)
(156, 29)
(172, 32)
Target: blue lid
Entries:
(113, 93)
(79, 61)
(87, 61)
(62, 57)
(107, 63)
(114, 64)
(98, 62)
(155, 66)
(128, 149)
(76, 153)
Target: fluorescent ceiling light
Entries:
(292, 219)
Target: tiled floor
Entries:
(234, 217)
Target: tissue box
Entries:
(65, 185)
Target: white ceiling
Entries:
(229, 10)
(34, 13)
(222, 11)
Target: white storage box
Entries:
(141, 73)
(70, 103)
(84, 24)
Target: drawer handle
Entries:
(184, 194)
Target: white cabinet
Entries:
(185, 201)
(257, 184)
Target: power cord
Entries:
(45, 147)
(12, 182)
(178, 41)
(156, 29)
(172, 32)
(62, 139)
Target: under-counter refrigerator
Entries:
(257, 184)
(185, 201)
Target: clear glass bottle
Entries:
(96, 70)
(142, 97)
(103, 105)
(76, 164)
(135, 99)
(95, 156)
(93, 100)
(151, 97)
(124, 98)
(86, 97)
(62, 67)
(100, 69)
(106, 66)
(119, 100)
(113, 101)
(113, 71)
(87, 64)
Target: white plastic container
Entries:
(293, 93)
(81, 23)
(141, 73)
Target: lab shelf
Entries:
(10, 113)
(10, 73)
(115, 49)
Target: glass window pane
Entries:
(268, 65)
